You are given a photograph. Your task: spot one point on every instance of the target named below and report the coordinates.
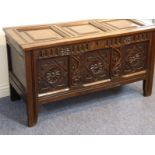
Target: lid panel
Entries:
(122, 24)
(43, 34)
(30, 37)
(38, 35)
(85, 29)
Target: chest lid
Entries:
(39, 36)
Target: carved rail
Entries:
(91, 45)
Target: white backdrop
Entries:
(27, 12)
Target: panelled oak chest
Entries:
(52, 62)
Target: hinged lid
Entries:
(31, 37)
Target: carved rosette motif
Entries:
(134, 57)
(52, 74)
(96, 65)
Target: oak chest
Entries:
(56, 61)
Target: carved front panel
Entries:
(96, 65)
(52, 74)
(80, 64)
(134, 57)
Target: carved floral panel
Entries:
(52, 74)
(96, 65)
(134, 57)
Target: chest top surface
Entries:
(31, 37)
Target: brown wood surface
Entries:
(31, 37)
(52, 62)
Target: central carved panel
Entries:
(96, 65)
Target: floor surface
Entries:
(121, 110)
